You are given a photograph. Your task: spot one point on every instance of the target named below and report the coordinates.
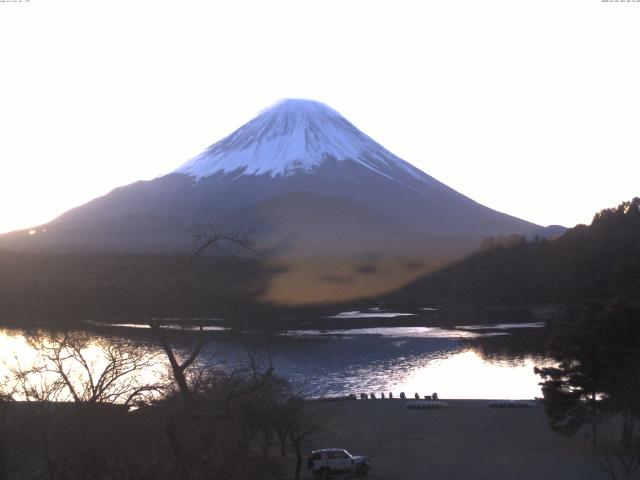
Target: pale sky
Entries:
(529, 107)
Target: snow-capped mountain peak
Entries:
(295, 136)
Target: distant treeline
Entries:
(68, 287)
(587, 262)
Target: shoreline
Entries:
(326, 317)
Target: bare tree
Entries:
(303, 421)
(81, 368)
(617, 460)
(209, 239)
(78, 388)
(179, 370)
(218, 414)
(213, 239)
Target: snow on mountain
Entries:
(295, 136)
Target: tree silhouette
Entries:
(598, 380)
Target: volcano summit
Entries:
(295, 136)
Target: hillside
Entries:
(585, 262)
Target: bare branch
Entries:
(212, 238)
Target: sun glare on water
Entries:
(470, 376)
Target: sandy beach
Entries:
(468, 440)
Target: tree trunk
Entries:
(627, 430)
(44, 438)
(174, 444)
(267, 441)
(298, 462)
(176, 368)
(594, 420)
(282, 438)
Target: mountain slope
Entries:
(338, 227)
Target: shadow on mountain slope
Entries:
(67, 287)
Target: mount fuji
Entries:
(299, 175)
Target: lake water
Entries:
(455, 363)
(470, 361)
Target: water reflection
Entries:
(371, 363)
(168, 326)
(455, 363)
(468, 375)
(371, 313)
(503, 326)
(396, 332)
